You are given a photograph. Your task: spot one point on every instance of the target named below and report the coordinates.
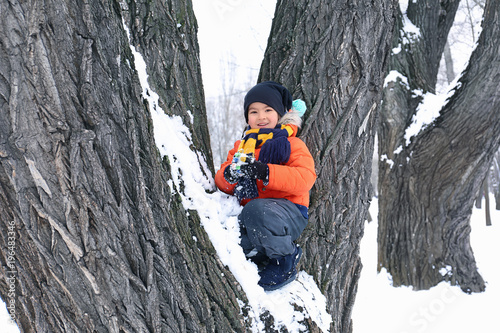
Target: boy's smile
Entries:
(261, 115)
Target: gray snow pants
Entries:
(271, 226)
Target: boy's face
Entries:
(261, 115)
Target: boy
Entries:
(272, 184)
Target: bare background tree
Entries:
(461, 39)
(225, 112)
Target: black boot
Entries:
(281, 271)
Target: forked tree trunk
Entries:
(427, 195)
(98, 242)
(333, 55)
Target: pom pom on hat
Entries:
(299, 106)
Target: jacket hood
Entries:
(291, 118)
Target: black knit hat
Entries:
(270, 93)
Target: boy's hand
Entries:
(231, 174)
(255, 170)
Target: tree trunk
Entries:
(448, 60)
(428, 191)
(333, 56)
(93, 239)
(486, 191)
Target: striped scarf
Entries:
(274, 149)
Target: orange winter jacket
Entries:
(291, 181)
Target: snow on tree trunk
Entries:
(93, 237)
(333, 56)
(428, 183)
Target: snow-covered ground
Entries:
(379, 307)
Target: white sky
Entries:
(235, 29)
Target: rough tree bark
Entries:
(333, 54)
(91, 237)
(426, 197)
